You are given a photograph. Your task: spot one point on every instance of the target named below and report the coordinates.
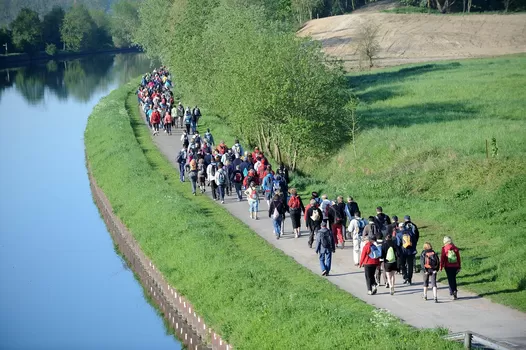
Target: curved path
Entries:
(469, 312)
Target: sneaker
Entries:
(369, 292)
(392, 291)
(310, 246)
(295, 235)
(455, 296)
(387, 286)
(324, 273)
(436, 300)
(424, 296)
(222, 202)
(327, 273)
(405, 282)
(375, 290)
(277, 236)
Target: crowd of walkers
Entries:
(382, 245)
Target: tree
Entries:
(27, 31)
(78, 29)
(5, 38)
(102, 34)
(368, 46)
(124, 19)
(51, 26)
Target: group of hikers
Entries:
(383, 246)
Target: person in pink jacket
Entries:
(450, 261)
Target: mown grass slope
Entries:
(253, 294)
(421, 151)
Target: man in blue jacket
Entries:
(406, 240)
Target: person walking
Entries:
(275, 212)
(351, 207)
(237, 180)
(181, 160)
(155, 120)
(267, 185)
(338, 211)
(369, 260)
(253, 200)
(193, 175)
(325, 247)
(180, 114)
(450, 261)
(296, 208)
(355, 229)
(187, 119)
(313, 219)
(406, 241)
(221, 181)
(209, 138)
(201, 175)
(168, 123)
(382, 220)
(211, 175)
(430, 264)
(390, 255)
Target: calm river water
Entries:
(62, 285)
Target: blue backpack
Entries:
(375, 253)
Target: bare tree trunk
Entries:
(295, 157)
(469, 6)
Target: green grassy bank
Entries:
(421, 151)
(253, 294)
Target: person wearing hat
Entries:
(325, 247)
(369, 260)
(313, 219)
(450, 261)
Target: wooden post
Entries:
(487, 150)
(467, 340)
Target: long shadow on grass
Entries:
(425, 113)
(362, 82)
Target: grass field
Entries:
(253, 294)
(422, 151)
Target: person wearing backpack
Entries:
(267, 184)
(430, 265)
(168, 123)
(382, 220)
(356, 228)
(181, 160)
(405, 239)
(155, 120)
(450, 261)
(193, 175)
(284, 172)
(313, 219)
(211, 175)
(390, 256)
(351, 207)
(369, 260)
(325, 247)
(295, 209)
(201, 174)
(237, 149)
(185, 140)
(275, 212)
(209, 138)
(180, 114)
(237, 180)
(392, 228)
(253, 200)
(380, 270)
(338, 213)
(196, 115)
(325, 208)
(221, 181)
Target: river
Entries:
(62, 284)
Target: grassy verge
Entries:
(253, 294)
(421, 150)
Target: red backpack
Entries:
(294, 202)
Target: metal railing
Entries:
(476, 341)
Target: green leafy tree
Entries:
(78, 31)
(102, 34)
(124, 20)
(5, 38)
(51, 49)
(51, 26)
(27, 31)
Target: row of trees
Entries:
(76, 29)
(274, 89)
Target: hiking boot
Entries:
(424, 296)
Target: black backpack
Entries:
(325, 238)
(214, 169)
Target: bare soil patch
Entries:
(412, 38)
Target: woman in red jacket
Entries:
(155, 119)
(450, 261)
(370, 260)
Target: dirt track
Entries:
(420, 37)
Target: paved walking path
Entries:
(469, 312)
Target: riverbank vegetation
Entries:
(253, 294)
(76, 28)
